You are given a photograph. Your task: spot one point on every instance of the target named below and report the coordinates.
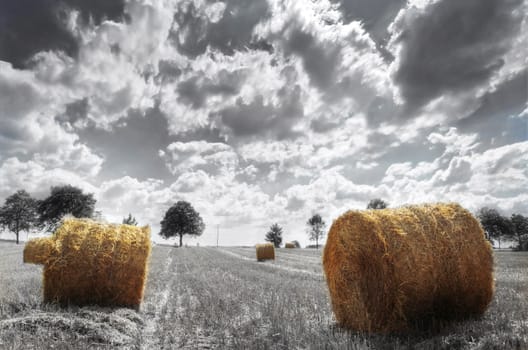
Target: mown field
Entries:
(209, 298)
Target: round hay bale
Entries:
(289, 245)
(389, 269)
(265, 251)
(93, 263)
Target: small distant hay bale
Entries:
(265, 251)
(390, 269)
(86, 262)
(289, 245)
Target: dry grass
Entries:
(388, 269)
(223, 299)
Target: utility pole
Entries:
(217, 233)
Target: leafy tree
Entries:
(520, 230)
(296, 244)
(494, 224)
(19, 213)
(316, 227)
(130, 220)
(181, 219)
(65, 200)
(274, 235)
(377, 203)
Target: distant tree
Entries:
(19, 213)
(377, 203)
(297, 244)
(494, 224)
(520, 230)
(274, 235)
(62, 201)
(316, 227)
(130, 220)
(181, 219)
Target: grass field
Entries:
(205, 298)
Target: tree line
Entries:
(21, 212)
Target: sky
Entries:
(263, 111)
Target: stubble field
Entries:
(221, 298)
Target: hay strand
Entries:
(387, 269)
(94, 263)
(265, 251)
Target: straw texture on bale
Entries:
(389, 269)
(86, 262)
(289, 245)
(265, 251)
(39, 250)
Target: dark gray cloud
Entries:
(195, 90)
(75, 111)
(30, 26)
(451, 46)
(233, 31)
(496, 119)
(375, 15)
(319, 60)
(132, 149)
(260, 118)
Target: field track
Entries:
(221, 298)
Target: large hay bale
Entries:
(86, 262)
(289, 245)
(265, 251)
(388, 269)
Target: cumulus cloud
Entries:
(31, 26)
(214, 158)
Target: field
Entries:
(206, 298)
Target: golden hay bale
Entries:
(387, 269)
(289, 245)
(39, 250)
(93, 263)
(265, 251)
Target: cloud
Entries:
(223, 26)
(31, 26)
(258, 118)
(28, 131)
(449, 46)
(463, 174)
(195, 90)
(214, 158)
(36, 179)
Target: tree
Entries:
(19, 213)
(65, 200)
(296, 244)
(130, 220)
(494, 224)
(274, 235)
(181, 219)
(377, 203)
(316, 227)
(520, 230)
